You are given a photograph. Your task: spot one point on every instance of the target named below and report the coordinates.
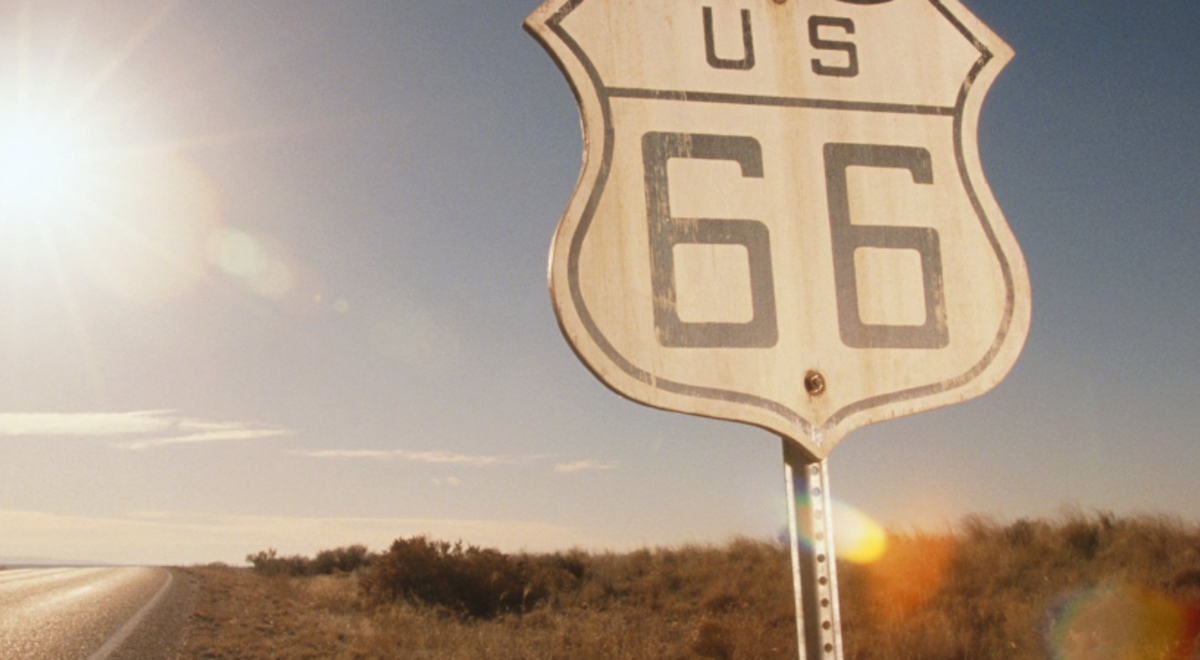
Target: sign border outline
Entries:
(597, 187)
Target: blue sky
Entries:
(351, 339)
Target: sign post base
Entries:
(814, 569)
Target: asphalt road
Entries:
(91, 613)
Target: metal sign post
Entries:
(814, 571)
(782, 220)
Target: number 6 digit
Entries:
(666, 232)
(848, 237)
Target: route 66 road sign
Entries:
(782, 218)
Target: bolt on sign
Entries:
(782, 220)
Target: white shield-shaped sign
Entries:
(782, 218)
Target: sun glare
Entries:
(38, 165)
(131, 215)
(98, 189)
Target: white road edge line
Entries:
(123, 633)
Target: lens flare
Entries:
(265, 267)
(909, 575)
(262, 268)
(1121, 622)
(238, 254)
(857, 538)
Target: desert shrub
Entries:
(345, 559)
(573, 563)
(268, 562)
(466, 580)
(554, 579)
(1084, 537)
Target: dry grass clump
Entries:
(1081, 588)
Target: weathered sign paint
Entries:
(782, 218)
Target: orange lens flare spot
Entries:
(909, 574)
(857, 537)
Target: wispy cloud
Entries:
(144, 429)
(451, 458)
(87, 424)
(234, 433)
(430, 457)
(585, 466)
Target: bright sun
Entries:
(79, 197)
(39, 165)
(99, 192)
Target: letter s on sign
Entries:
(815, 23)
